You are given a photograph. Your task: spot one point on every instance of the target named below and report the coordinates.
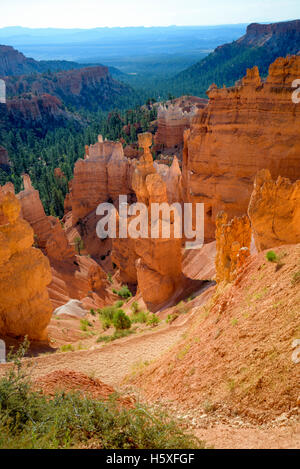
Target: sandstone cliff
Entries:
(274, 211)
(43, 108)
(48, 231)
(251, 126)
(74, 276)
(102, 175)
(173, 118)
(159, 269)
(25, 308)
(89, 87)
(233, 241)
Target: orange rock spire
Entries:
(25, 308)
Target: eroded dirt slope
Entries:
(238, 352)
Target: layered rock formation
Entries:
(48, 231)
(13, 62)
(43, 108)
(173, 118)
(159, 269)
(251, 126)
(25, 308)
(233, 240)
(104, 174)
(259, 34)
(274, 211)
(74, 276)
(90, 87)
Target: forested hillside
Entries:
(261, 45)
(38, 149)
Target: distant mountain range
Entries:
(140, 52)
(78, 86)
(14, 63)
(43, 91)
(260, 46)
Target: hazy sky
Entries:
(97, 13)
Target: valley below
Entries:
(154, 344)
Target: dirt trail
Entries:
(226, 437)
(112, 362)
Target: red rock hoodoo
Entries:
(274, 211)
(173, 118)
(233, 241)
(251, 126)
(24, 272)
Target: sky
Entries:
(99, 13)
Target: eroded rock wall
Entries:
(251, 126)
(103, 175)
(233, 240)
(274, 211)
(25, 308)
(173, 118)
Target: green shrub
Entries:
(85, 324)
(153, 320)
(171, 318)
(121, 320)
(182, 308)
(134, 307)
(124, 292)
(78, 245)
(119, 304)
(106, 316)
(104, 338)
(296, 278)
(109, 278)
(271, 256)
(116, 335)
(93, 312)
(67, 348)
(139, 317)
(30, 420)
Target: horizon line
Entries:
(146, 27)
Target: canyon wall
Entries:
(251, 126)
(159, 269)
(74, 276)
(104, 174)
(173, 118)
(274, 211)
(25, 308)
(41, 108)
(233, 240)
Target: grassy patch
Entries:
(231, 385)
(171, 318)
(30, 420)
(182, 353)
(140, 317)
(85, 324)
(67, 348)
(296, 278)
(117, 335)
(182, 308)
